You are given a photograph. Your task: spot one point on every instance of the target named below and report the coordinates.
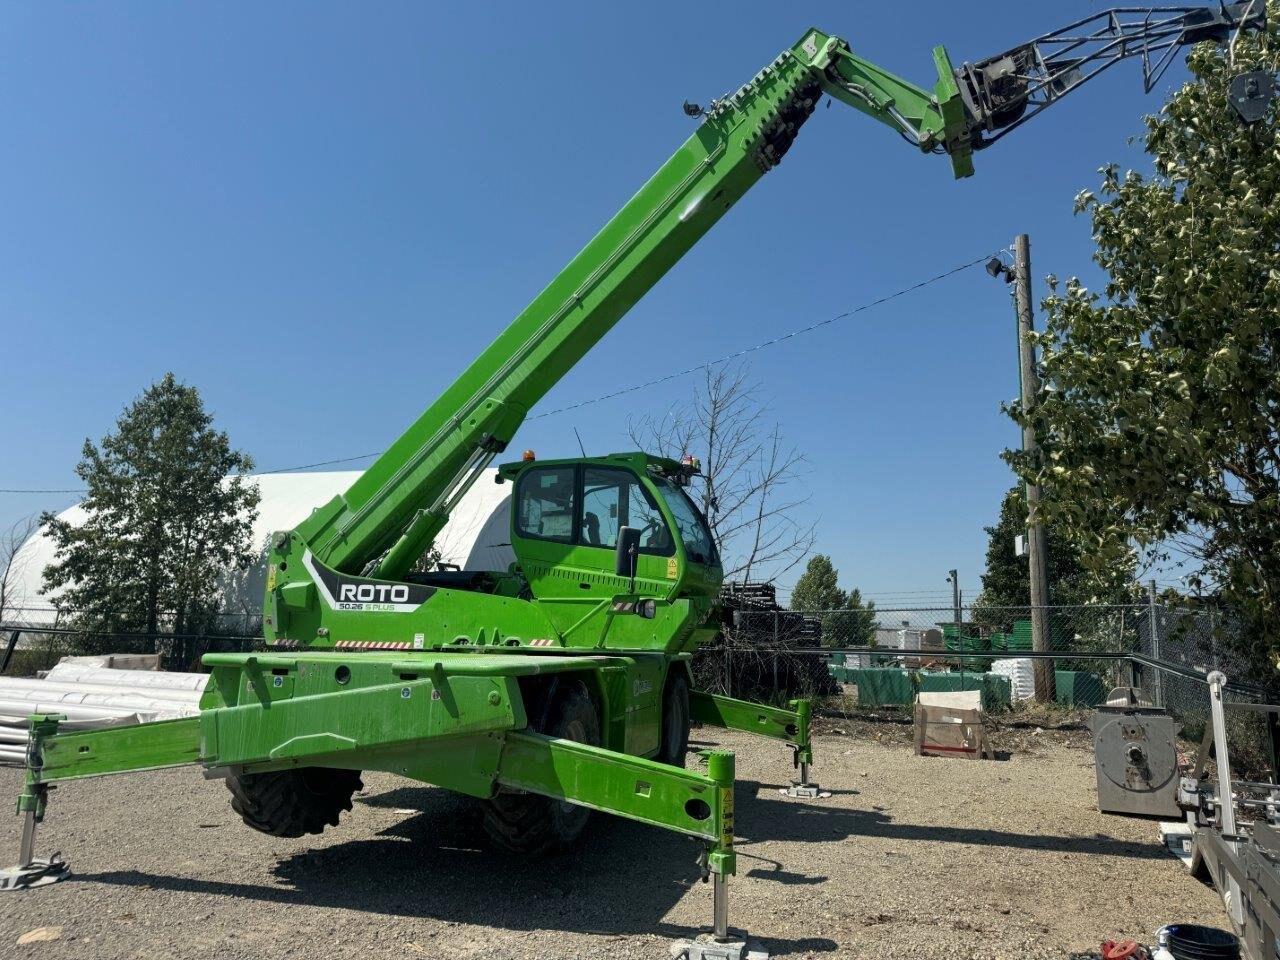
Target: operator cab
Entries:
(567, 517)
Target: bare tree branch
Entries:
(12, 564)
(746, 467)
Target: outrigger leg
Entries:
(802, 789)
(30, 871)
(723, 943)
(775, 723)
(696, 804)
(54, 756)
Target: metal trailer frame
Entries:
(1243, 862)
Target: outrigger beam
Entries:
(775, 723)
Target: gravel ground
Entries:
(911, 857)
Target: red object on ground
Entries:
(1119, 949)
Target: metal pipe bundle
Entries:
(72, 672)
(91, 697)
(10, 687)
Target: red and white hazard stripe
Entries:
(542, 643)
(372, 645)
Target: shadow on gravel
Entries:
(408, 798)
(763, 815)
(438, 863)
(788, 877)
(622, 880)
(783, 948)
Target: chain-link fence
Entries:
(883, 658)
(26, 650)
(872, 658)
(1186, 645)
(237, 623)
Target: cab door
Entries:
(565, 532)
(613, 498)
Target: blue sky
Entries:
(319, 213)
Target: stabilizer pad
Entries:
(35, 874)
(804, 791)
(706, 947)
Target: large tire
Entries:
(529, 823)
(290, 803)
(675, 719)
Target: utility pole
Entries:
(1154, 625)
(954, 577)
(1030, 385)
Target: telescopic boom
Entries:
(390, 516)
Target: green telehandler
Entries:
(561, 685)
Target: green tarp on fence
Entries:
(1076, 688)
(996, 690)
(883, 686)
(888, 687)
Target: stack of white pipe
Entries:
(1021, 673)
(91, 697)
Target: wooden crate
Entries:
(944, 730)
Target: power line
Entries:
(303, 466)
(324, 463)
(772, 342)
(914, 593)
(41, 491)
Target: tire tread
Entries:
(527, 823)
(287, 803)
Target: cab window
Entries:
(612, 499)
(699, 545)
(545, 504)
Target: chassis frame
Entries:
(453, 719)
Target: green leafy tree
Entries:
(169, 513)
(1159, 415)
(429, 561)
(1007, 580)
(847, 621)
(818, 589)
(860, 620)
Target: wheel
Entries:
(675, 719)
(529, 823)
(289, 803)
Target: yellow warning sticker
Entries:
(673, 568)
(726, 817)
(271, 578)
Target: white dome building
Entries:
(477, 537)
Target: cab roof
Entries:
(640, 462)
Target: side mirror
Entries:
(624, 564)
